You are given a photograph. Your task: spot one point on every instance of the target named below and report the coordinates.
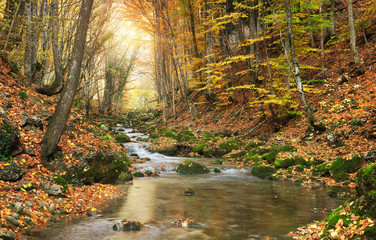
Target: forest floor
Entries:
(28, 112)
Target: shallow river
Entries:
(229, 205)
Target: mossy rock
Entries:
(320, 170)
(185, 135)
(366, 190)
(209, 152)
(168, 150)
(218, 161)
(333, 218)
(61, 181)
(229, 145)
(341, 167)
(288, 159)
(270, 156)
(122, 138)
(199, 148)
(287, 148)
(191, 167)
(138, 174)
(9, 138)
(253, 144)
(257, 151)
(264, 172)
(217, 170)
(299, 168)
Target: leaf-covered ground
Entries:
(20, 101)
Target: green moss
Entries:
(229, 145)
(264, 172)
(138, 174)
(333, 218)
(299, 168)
(270, 156)
(23, 96)
(122, 138)
(341, 167)
(218, 161)
(61, 181)
(168, 150)
(320, 170)
(287, 148)
(217, 170)
(208, 152)
(199, 148)
(284, 163)
(191, 167)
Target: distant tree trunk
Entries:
(332, 22)
(295, 67)
(30, 57)
(58, 83)
(59, 119)
(354, 50)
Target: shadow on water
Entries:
(229, 205)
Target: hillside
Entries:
(30, 194)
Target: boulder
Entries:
(16, 207)
(264, 172)
(366, 190)
(341, 167)
(9, 138)
(122, 138)
(11, 172)
(191, 167)
(7, 235)
(51, 189)
(334, 139)
(128, 225)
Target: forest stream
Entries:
(231, 204)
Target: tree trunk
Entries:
(354, 50)
(58, 83)
(295, 67)
(59, 119)
(30, 51)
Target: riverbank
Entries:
(76, 181)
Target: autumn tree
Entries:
(57, 123)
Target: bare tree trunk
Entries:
(354, 50)
(59, 119)
(30, 51)
(58, 83)
(295, 69)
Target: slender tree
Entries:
(59, 119)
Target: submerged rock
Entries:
(188, 223)
(128, 225)
(189, 192)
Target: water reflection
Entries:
(230, 205)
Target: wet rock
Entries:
(187, 223)
(51, 189)
(191, 167)
(217, 170)
(16, 207)
(11, 172)
(148, 173)
(138, 174)
(13, 221)
(7, 235)
(264, 172)
(189, 192)
(128, 225)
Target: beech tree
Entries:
(58, 121)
